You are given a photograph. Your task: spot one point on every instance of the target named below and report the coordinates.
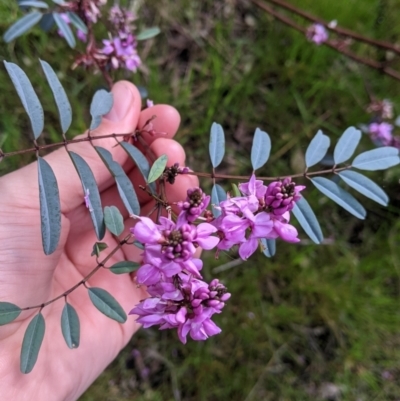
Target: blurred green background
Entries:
(314, 322)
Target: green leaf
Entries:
(346, 145)
(148, 33)
(124, 267)
(65, 30)
(216, 146)
(102, 103)
(90, 190)
(8, 312)
(113, 219)
(307, 219)
(260, 149)
(60, 97)
(235, 190)
(107, 304)
(70, 326)
(365, 186)
(218, 195)
(98, 247)
(124, 184)
(317, 149)
(31, 343)
(377, 159)
(50, 209)
(340, 196)
(22, 25)
(140, 160)
(157, 168)
(28, 97)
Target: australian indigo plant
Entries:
(254, 214)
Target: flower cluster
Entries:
(379, 130)
(179, 298)
(317, 33)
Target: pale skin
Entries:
(29, 277)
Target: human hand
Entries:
(29, 277)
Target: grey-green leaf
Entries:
(365, 186)
(8, 312)
(140, 160)
(157, 168)
(31, 343)
(28, 97)
(60, 97)
(317, 149)
(124, 184)
(22, 25)
(113, 219)
(65, 30)
(340, 196)
(102, 103)
(33, 3)
(346, 145)
(217, 144)
(91, 193)
(124, 267)
(148, 33)
(269, 247)
(217, 196)
(50, 209)
(377, 159)
(75, 20)
(260, 149)
(107, 304)
(307, 219)
(70, 326)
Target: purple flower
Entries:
(381, 132)
(281, 196)
(317, 33)
(149, 103)
(194, 205)
(80, 34)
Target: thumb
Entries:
(22, 184)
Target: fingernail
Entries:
(123, 99)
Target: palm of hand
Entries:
(28, 277)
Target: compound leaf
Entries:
(365, 186)
(148, 33)
(31, 343)
(217, 144)
(124, 184)
(317, 149)
(33, 3)
(70, 326)
(28, 97)
(307, 219)
(260, 149)
(107, 304)
(22, 25)
(124, 267)
(76, 20)
(102, 103)
(65, 29)
(8, 312)
(377, 159)
(91, 193)
(340, 196)
(50, 209)
(346, 145)
(269, 247)
(60, 97)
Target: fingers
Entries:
(123, 118)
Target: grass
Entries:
(314, 322)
